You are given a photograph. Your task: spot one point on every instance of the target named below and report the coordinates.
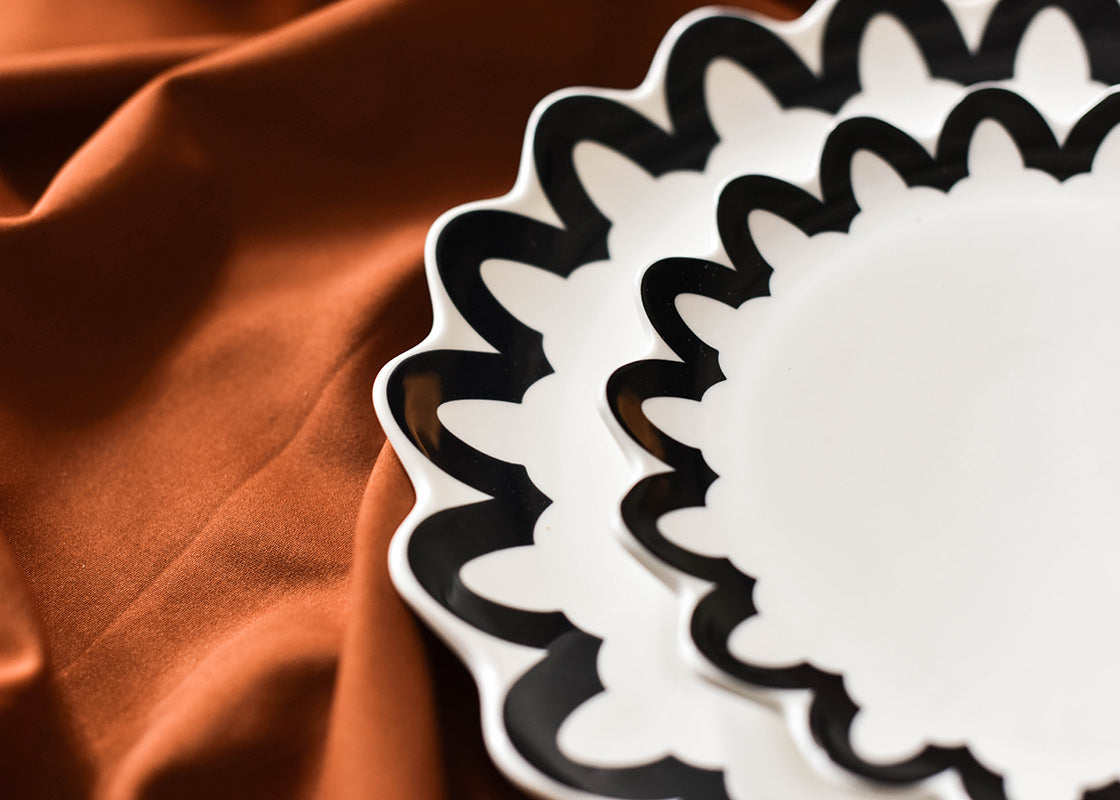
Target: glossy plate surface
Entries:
(512, 552)
(894, 443)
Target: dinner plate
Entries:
(892, 428)
(511, 553)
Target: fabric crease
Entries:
(212, 225)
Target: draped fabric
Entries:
(212, 215)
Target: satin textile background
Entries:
(212, 216)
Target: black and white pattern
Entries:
(540, 659)
(897, 433)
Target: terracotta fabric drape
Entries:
(212, 214)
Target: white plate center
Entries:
(919, 450)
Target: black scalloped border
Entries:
(729, 603)
(441, 544)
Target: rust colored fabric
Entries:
(211, 222)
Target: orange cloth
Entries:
(211, 226)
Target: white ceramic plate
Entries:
(896, 414)
(510, 552)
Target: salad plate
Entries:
(512, 554)
(893, 448)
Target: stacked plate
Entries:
(767, 442)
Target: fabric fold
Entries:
(212, 223)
